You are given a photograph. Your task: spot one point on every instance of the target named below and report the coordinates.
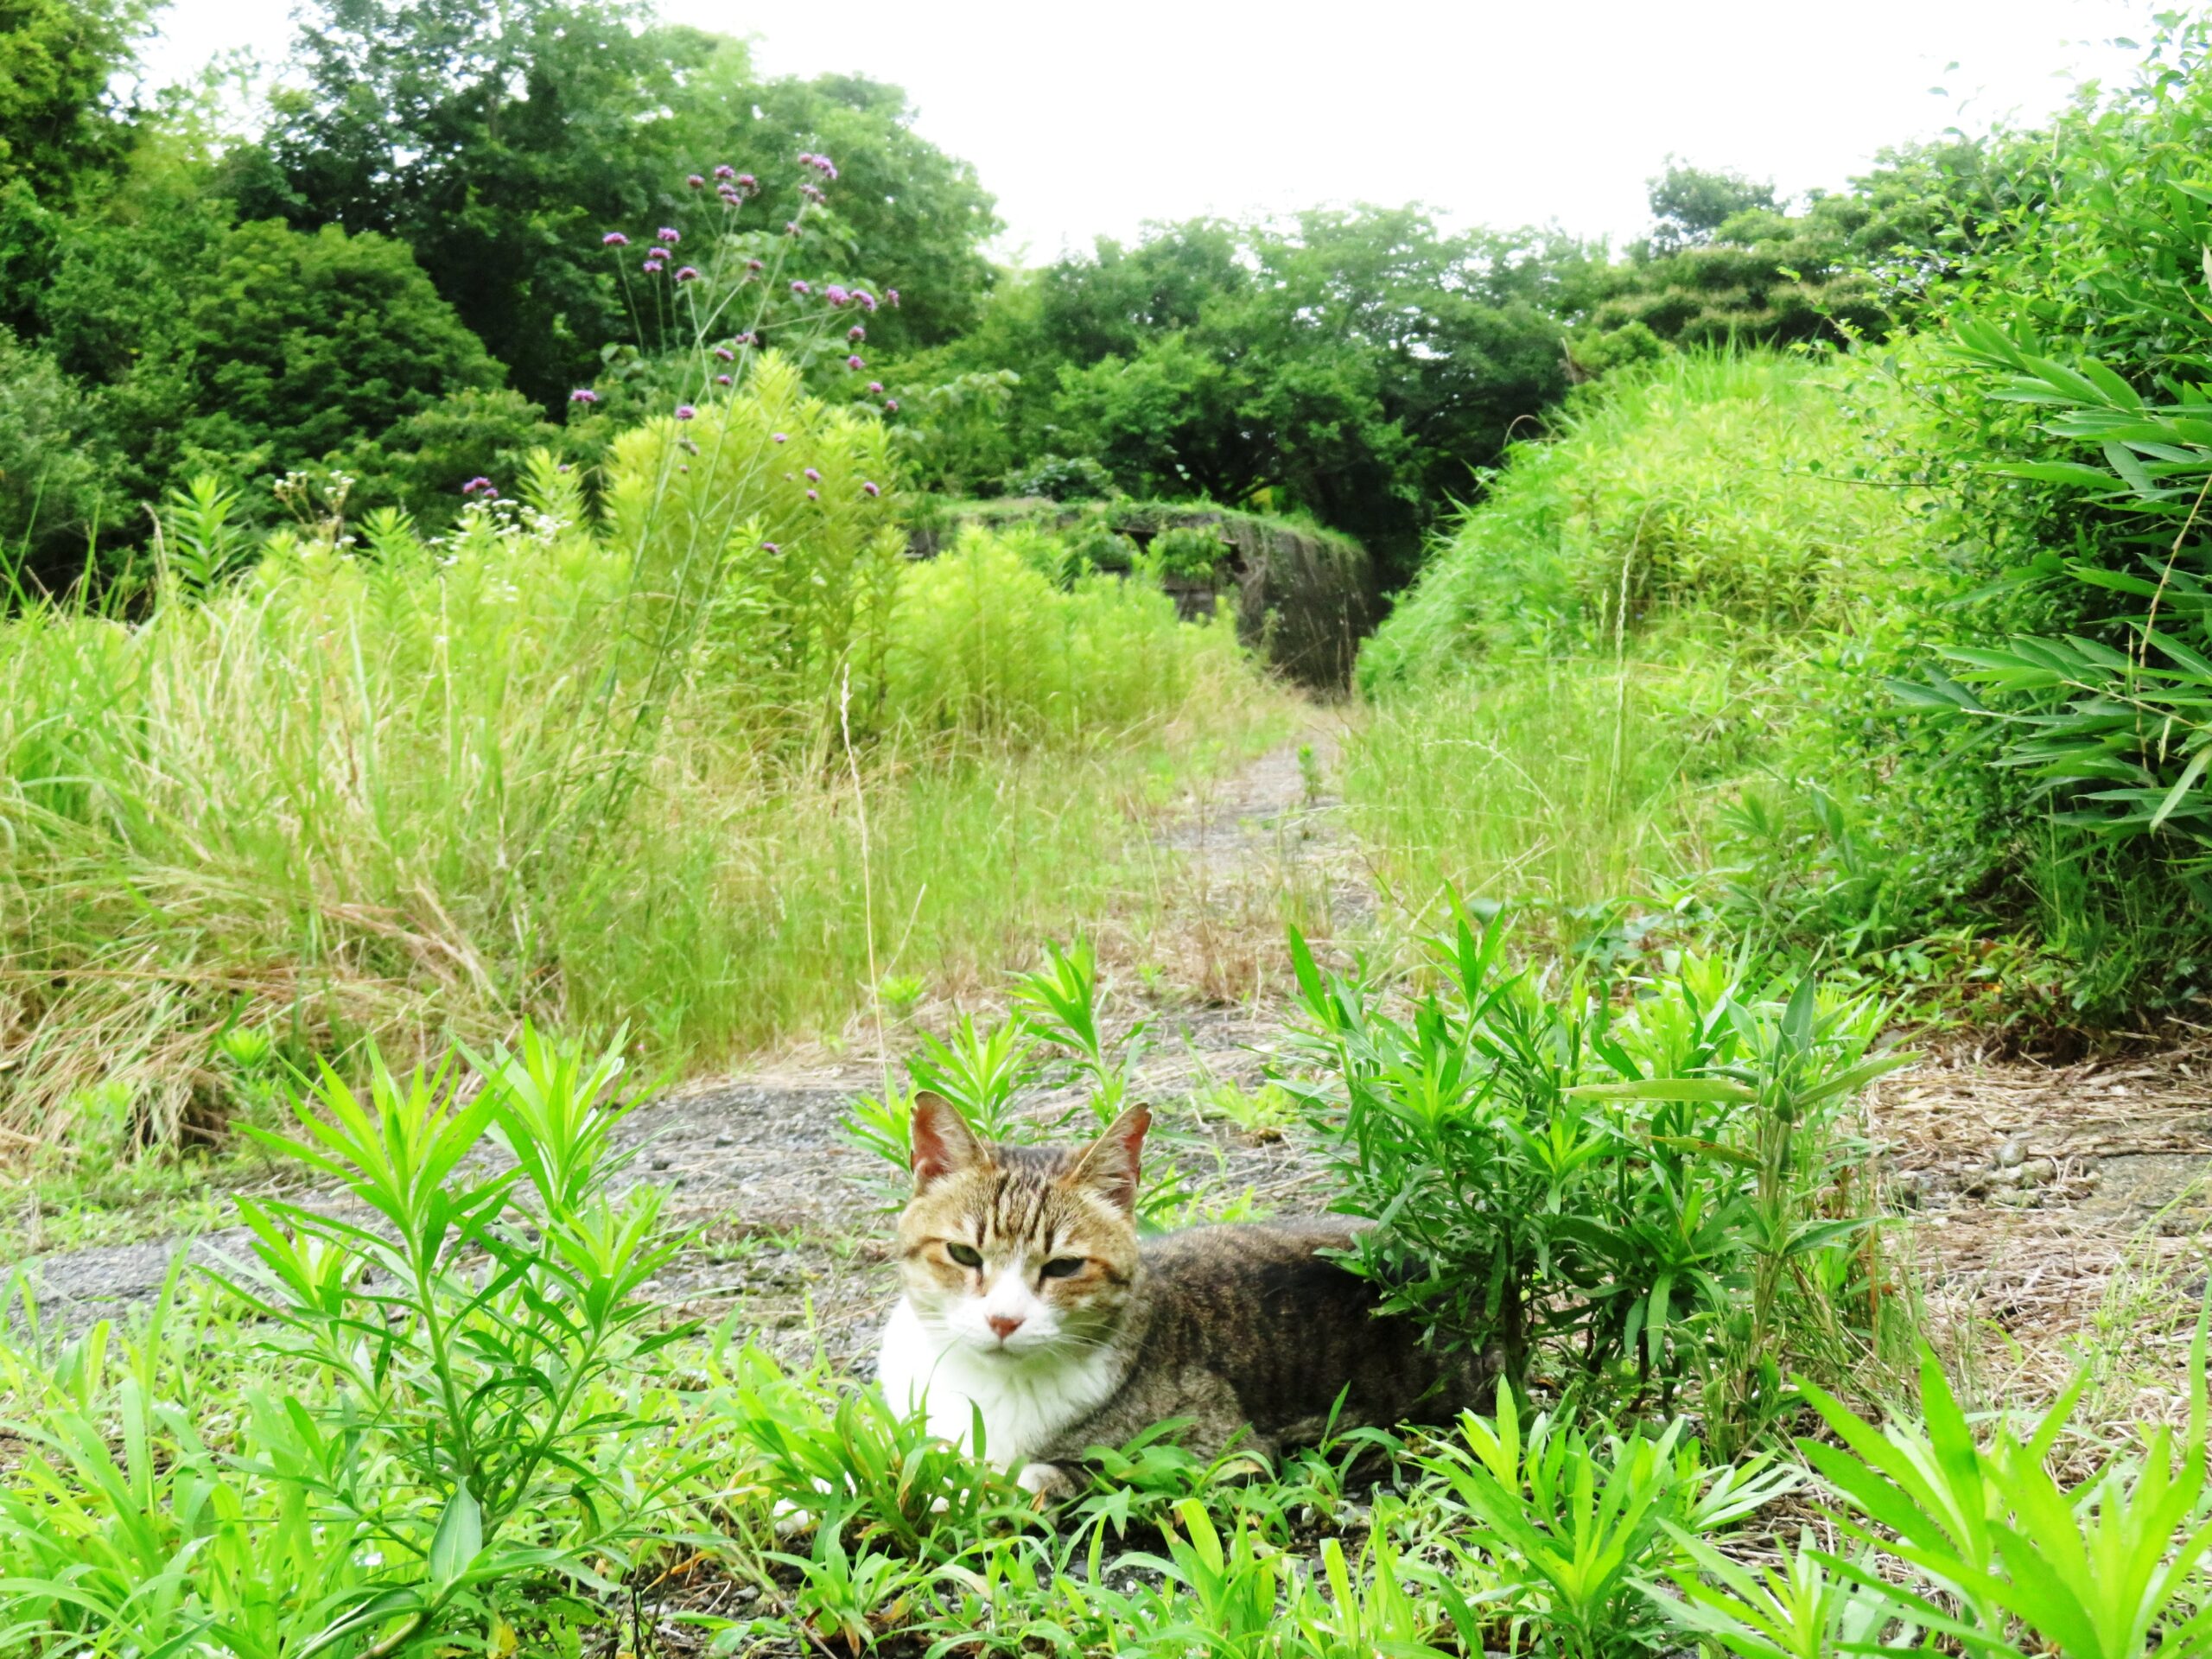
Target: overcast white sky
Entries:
(1086, 118)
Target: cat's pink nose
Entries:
(1005, 1324)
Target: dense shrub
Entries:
(558, 761)
(1733, 487)
(58, 492)
(985, 642)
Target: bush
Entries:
(1189, 553)
(1657, 1189)
(58, 494)
(987, 643)
(1737, 488)
(556, 765)
(1058, 477)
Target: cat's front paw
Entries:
(1047, 1482)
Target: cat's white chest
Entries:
(1023, 1403)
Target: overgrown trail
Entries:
(791, 1216)
(2053, 1210)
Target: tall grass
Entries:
(563, 766)
(1618, 634)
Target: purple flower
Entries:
(806, 158)
(856, 333)
(748, 337)
(723, 380)
(614, 239)
(725, 353)
(875, 388)
(892, 295)
(482, 487)
(854, 363)
(801, 288)
(869, 489)
(790, 227)
(653, 267)
(780, 437)
(891, 405)
(725, 171)
(863, 299)
(583, 394)
(669, 235)
(770, 547)
(685, 411)
(728, 194)
(695, 182)
(746, 181)
(836, 293)
(754, 265)
(688, 274)
(814, 495)
(813, 477)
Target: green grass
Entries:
(589, 769)
(1622, 635)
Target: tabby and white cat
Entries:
(1031, 1300)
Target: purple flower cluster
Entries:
(725, 353)
(875, 388)
(856, 333)
(685, 411)
(482, 487)
(671, 235)
(870, 489)
(854, 363)
(614, 239)
(583, 394)
(891, 405)
(696, 182)
(688, 274)
(802, 288)
(821, 165)
(836, 293)
(813, 477)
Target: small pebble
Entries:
(2012, 1155)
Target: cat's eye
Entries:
(966, 1255)
(1063, 1266)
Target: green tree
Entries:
(1360, 365)
(500, 138)
(1689, 204)
(58, 122)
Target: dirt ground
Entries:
(2052, 1212)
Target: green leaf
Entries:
(1706, 1088)
(2183, 785)
(460, 1537)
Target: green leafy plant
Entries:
(2097, 1570)
(474, 1321)
(1579, 1525)
(1546, 1174)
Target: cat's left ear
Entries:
(1109, 1166)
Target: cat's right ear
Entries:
(942, 1143)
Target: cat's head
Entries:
(1020, 1252)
